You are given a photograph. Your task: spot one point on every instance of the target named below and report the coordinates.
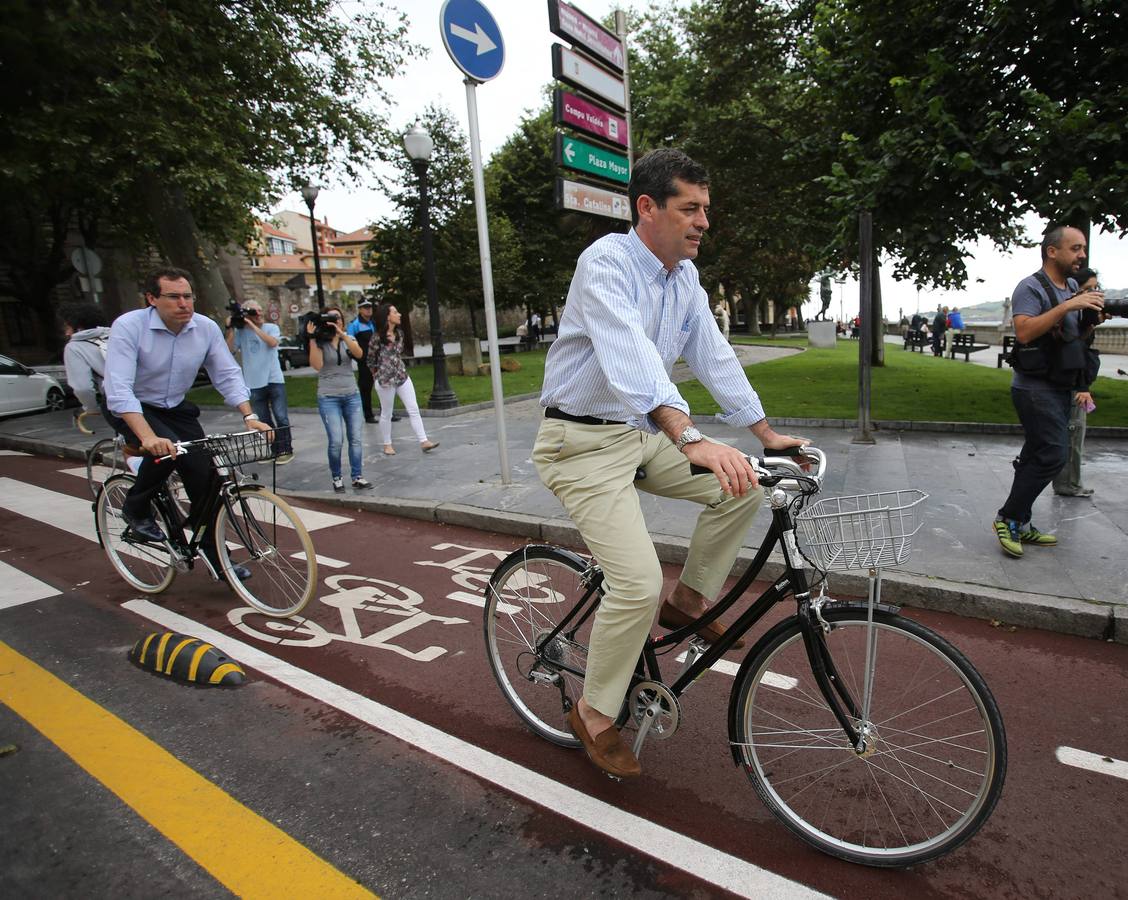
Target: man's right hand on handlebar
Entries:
(157, 446)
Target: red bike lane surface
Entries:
(1056, 832)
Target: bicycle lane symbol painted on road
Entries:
(472, 579)
(357, 599)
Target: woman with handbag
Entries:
(385, 359)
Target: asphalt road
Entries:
(372, 749)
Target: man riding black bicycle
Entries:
(634, 307)
(153, 357)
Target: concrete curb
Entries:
(1082, 618)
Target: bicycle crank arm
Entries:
(649, 717)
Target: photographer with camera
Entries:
(257, 343)
(331, 352)
(1051, 361)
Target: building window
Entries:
(279, 247)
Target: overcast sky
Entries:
(518, 89)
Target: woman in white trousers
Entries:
(385, 359)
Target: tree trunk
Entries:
(751, 311)
(183, 245)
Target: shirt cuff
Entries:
(742, 418)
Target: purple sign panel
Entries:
(575, 112)
(579, 28)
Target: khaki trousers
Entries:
(591, 470)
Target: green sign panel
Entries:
(592, 159)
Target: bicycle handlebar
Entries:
(187, 446)
(774, 471)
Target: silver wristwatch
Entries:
(690, 436)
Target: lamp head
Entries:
(418, 144)
(309, 194)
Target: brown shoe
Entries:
(670, 617)
(607, 750)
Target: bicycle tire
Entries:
(527, 596)
(106, 453)
(937, 757)
(146, 567)
(268, 538)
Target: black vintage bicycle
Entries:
(246, 524)
(866, 733)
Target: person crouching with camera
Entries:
(257, 343)
(331, 353)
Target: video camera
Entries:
(1113, 308)
(325, 328)
(238, 317)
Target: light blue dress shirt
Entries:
(625, 323)
(260, 362)
(147, 363)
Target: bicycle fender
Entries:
(755, 650)
(520, 552)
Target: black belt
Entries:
(553, 413)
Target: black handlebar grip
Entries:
(699, 470)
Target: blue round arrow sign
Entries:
(472, 38)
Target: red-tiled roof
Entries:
(271, 231)
(285, 263)
(354, 237)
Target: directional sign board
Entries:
(584, 157)
(573, 111)
(582, 30)
(578, 70)
(472, 38)
(573, 195)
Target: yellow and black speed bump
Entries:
(186, 659)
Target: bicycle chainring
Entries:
(667, 716)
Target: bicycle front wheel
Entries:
(147, 567)
(104, 460)
(936, 752)
(259, 530)
(528, 596)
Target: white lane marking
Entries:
(19, 587)
(13, 453)
(667, 846)
(771, 679)
(1092, 762)
(312, 519)
(62, 511)
(326, 561)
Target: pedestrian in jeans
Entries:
(385, 358)
(257, 343)
(331, 352)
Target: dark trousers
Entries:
(178, 423)
(937, 343)
(365, 383)
(1045, 422)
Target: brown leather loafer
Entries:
(670, 617)
(606, 750)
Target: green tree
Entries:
(173, 120)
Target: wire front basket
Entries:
(860, 532)
(240, 449)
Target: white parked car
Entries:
(25, 390)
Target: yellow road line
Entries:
(243, 851)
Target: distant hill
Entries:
(992, 310)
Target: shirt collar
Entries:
(156, 323)
(651, 265)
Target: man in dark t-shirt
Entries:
(1042, 405)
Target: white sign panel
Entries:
(577, 69)
(572, 195)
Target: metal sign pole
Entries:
(621, 31)
(487, 276)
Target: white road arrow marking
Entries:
(569, 152)
(477, 36)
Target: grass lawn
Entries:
(816, 384)
(303, 391)
(911, 386)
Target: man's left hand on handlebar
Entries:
(730, 465)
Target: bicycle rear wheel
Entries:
(147, 567)
(528, 595)
(104, 460)
(936, 749)
(259, 530)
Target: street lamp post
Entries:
(309, 193)
(419, 145)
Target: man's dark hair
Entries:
(81, 316)
(168, 273)
(1053, 238)
(655, 173)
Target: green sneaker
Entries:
(1007, 532)
(1033, 536)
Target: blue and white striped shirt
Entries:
(147, 363)
(624, 326)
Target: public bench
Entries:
(1008, 344)
(965, 343)
(915, 340)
